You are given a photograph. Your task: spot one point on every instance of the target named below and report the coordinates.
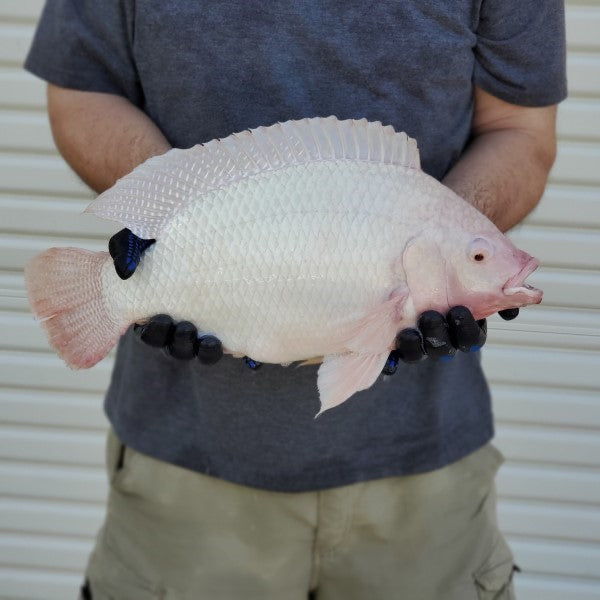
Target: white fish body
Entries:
(278, 266)
(296, 241)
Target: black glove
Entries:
(439, 337)
(126, 250)
(179, 340)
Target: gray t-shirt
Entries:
(202, 70)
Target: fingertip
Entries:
(482, 332)
(210, 350)
(252, 364)
(123, 271)
(118, 242)
(183, 343)
(157, 331)
(463, 329)
(509, 314)
(431, 319)
(391, 365)
(409, 346)
(437, 342)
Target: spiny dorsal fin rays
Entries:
(146, 199)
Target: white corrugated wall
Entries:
(544, 367)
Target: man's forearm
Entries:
(504, 170)
(503, 174)
(101, 136)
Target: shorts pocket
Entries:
(129, 472)
(142, 478)
(115, 456)
(493, 580)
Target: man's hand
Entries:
(439, 338)
(126, 250)
(180, 340)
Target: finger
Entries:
(409, 346)
(210, 350)
(463, 329)
(123, 251)
(391, 364)
(252, 364)
(126, 249)
(436, 336)
(509, 314)
(184, 342)
(157, 331)
(118, 243)
(482, 335)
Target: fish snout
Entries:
(524, 260)
(522, 293)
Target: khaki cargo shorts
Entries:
(173, 534)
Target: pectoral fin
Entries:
(375, 332)
(340, 376)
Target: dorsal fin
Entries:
(145, 199)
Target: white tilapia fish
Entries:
(312, 238)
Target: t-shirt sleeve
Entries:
(520, 51)
(86, 45)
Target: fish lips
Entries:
(522, 293)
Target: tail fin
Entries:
(65, 292)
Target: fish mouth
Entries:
(516, 284)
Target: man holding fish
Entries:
(223, 485)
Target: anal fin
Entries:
(341, 376)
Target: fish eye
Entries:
(480, 250)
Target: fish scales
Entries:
(312, 238)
